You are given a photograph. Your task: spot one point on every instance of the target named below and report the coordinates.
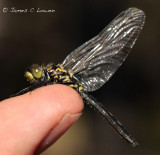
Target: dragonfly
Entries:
(92, 64)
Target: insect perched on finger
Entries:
(92, 64)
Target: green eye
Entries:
(36, 71)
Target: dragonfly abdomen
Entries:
(110, 118)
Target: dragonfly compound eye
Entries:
(36, 71)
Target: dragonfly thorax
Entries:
(51, 74)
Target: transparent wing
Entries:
(97, 60)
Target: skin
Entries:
(32, 122)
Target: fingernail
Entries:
(65, 123)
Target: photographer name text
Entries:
(30, 10)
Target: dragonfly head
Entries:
(34, 73)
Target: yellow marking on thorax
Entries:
(56, 76)
(67, 79)
(80, 88)
(61, 70)
(49, 68)
(71, 85)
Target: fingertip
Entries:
(39, 111)
(66, 98)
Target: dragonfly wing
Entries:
(97, 60)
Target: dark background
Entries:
(132, 94)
